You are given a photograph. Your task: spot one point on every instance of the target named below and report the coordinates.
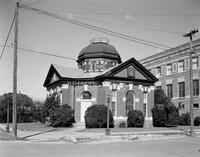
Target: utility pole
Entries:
(8, 115)
(14, 119)
(190, 34)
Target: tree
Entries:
(25, 107)
(62, 116)
(161, 98)
(37, 112)
(51, 103)
(55, 114)
(164, 112)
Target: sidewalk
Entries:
(77, 134)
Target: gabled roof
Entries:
(68, 72)
(118, 72)
(61, 72)
(131, 62)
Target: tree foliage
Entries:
(197, 121)
(25, 108)
(51, 103)
(55, 114)
(164, 112)
(161, 98)
(62, 116)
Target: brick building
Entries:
(172, 68)
(101, 75)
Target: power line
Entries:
(42, 52)
(117, 15)
(45, 53)
(102, 30)
(124, 13)
(7, 36)
(131, 26)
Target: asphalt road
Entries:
(179, 147)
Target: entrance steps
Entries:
(79, 125)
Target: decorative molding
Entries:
(136, 99)
(181, 79)
(130, 86)
(158, 83)
(106, 84)
(65, 86)
(85, 87)
(78, 99)
(124, 99)
(169, 81)
(195, 77)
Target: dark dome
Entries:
(99, 49)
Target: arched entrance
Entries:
(86, 101)
(129, 101)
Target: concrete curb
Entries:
(76, 137)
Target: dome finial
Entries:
(99, 40)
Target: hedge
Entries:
(96, 117)
(135, 118)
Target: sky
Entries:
(159, 21)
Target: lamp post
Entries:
(145, 91)
(109, 100)
(108, 116)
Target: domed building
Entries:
(98, 56)
(101, 75)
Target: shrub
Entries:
(184, 119)
(165, 115)
(62, 116)
(159, 116)
(96, 117)
(172, 115)
(197, 121)
(122, 124)
(135, 118)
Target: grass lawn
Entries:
(32, 127)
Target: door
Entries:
(84, 105)
(86, 101)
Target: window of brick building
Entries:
(174, 67)
(153, 71)
(158, 71)
(181, 86)
(194, 62)
(196, 87)
(163, 70)
(180, 66)
(196, 106)
(187, 63)
(169, 69)
(169, 90)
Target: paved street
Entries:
(177, 147)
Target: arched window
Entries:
(86, 95)
(129, 101)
